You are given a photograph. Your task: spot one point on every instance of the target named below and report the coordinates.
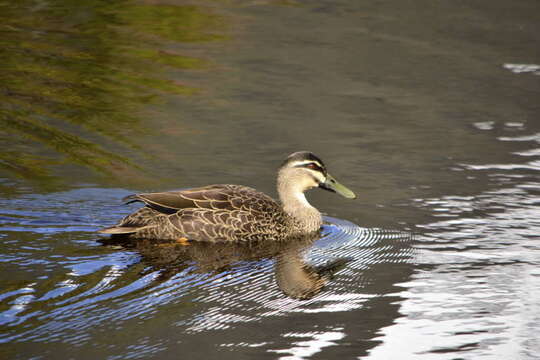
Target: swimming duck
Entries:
(226, 212)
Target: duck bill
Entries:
(332, 185)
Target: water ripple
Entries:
(477, 287)
(91, 286)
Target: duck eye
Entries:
(313, 166)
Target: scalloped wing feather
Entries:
(213, 213)
(225, 197)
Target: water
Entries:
(81, 285)
(428, 111)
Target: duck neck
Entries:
(295, 204)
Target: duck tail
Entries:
(119, 230)
(131, 198)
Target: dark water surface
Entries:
(428, 110)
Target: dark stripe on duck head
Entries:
(302, 156)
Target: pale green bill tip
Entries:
(332, 185)
(345, 192)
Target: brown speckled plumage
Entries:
(211, 213)
(225, 212)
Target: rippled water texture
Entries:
(81, 285)
(427, 110)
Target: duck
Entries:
(226, 212)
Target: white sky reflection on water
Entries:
(307, 348)
(523, 68)
(480, 294)
(438, 323)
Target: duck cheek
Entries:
(313, 184)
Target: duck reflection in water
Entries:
(217, 225)
(294, 276)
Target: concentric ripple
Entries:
(69, 285)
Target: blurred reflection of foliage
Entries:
(74, 72)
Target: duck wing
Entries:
(214, 197)
(211, 213)
(218, 225)
(210, 225)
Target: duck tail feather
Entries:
(131, 198)
(119, 230)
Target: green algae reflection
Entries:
(75, 74)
